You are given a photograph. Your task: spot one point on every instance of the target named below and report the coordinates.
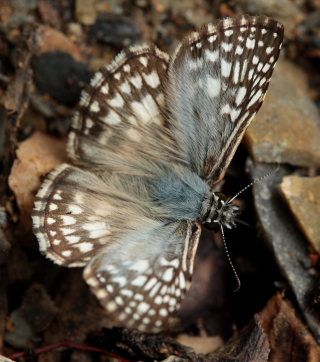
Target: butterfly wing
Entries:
(101, 216)
(138, 255)
(138, 266)
(143, 279)
(70, 218)
(122, 99)
(218, 78)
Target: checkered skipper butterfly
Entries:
(151, 137)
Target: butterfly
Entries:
(151, 137)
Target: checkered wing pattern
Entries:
(139, 270)
(218, 78)
(142, 286)
(121, 101)
(71, 216)
(150, 135)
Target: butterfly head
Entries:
(220, 211)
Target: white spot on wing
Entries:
(125, 87)
(96, 80)
(168, 275)
(67, 231)
(225, 68)
(84, 247)
(155, 289)
(240, 95)
(152, 79)
(228, 32)
(101, 293)
(236, 72)
(144, 61)
(53, 207)
(118, 300)
(74, 209)
(211, 56)
(110, 288)
(84, 99)
(72, 238)
(250, 43)
(140, 266)
(136, 81)
(182, 281)
(244, 70)
(116, 101)
(150, 283)
(95, 107)
(163, 312)
(139, 280)
(143, 307)
(269, 50)
(212, 38)
(66, 253)
(112, 118)
(255, 98)
(234, 114)
(266, 67)
(57, 196)
(226, 109)
(227, 47)
(91, 226)
(121, 281)
(105, 88)
(255, 59)
(239, 50)
(68, 220)
(111, 306)
(214, 86)
(126, 292)
(152, 109)
(99, 233)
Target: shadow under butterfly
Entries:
(151, 137)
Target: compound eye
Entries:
(221, 196)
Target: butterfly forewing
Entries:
(123, 97)
(71, 213)
(218, 78)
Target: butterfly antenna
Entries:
(238, 285)
(254, 182)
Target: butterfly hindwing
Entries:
(143, 279)
(218, 78)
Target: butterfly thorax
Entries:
(219, 211)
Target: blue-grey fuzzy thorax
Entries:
(181, 193)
